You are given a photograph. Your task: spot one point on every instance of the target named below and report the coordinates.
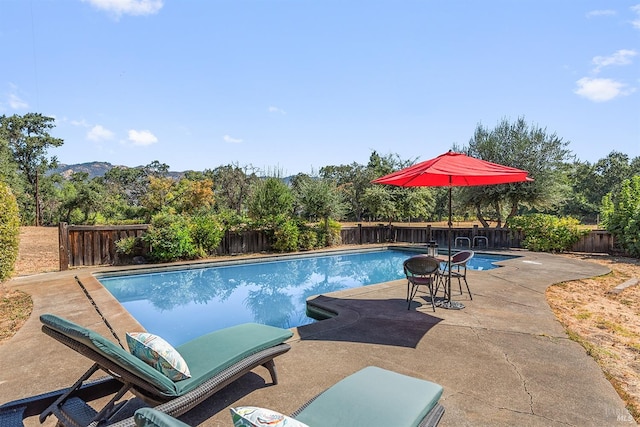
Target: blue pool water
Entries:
(180, 305)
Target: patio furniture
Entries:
(421, 270)
(372, 397)
(459, 268)
(149, 417)
(214, 361)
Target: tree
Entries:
(160, 194)
(525, 147)
(416, 202)
(320, 200)
(352, 181)
(271, 200)
(380, 203)
(129, 183)
(621, 215)
(232, 186)
(195, 195)
(28, 139)
(80, 195)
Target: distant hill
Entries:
(95, 169)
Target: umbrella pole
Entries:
(453, 305)
(449, 245)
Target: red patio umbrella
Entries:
(453, 170)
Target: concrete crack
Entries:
(524, 382)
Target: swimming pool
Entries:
(183, 304)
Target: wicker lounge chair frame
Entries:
(73, 411)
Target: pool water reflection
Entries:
(183, 304)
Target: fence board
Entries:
(95, 245)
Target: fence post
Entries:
(63, 246)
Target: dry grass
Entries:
(15, 309)
(607, 326)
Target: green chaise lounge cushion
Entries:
(373, 397)
(149, 417)
(211, 353)
(205, 356)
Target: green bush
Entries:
(548, 233)
(126, 246)
(206, 233)
(169, 239)
(621, 215)
(9, 231)
(330, 237)
(308, 238)
(285, 236)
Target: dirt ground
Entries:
(607, 325)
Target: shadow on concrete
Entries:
(371, 321)
(222, 400)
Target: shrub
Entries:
(547, 233)
(9, 231)
(285, 236)
(308, 238)
(621, 215)
(126, 246)
(206, 233)
(169, 238)
(330, 236)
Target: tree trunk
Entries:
(496, 206)
(513, 211)
(483, 221)
(37, 194)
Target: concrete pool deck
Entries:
(504, 360)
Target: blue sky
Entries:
(295, 85)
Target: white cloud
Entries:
(80, 123)
(229, 138)
(17, 103)
(600, 90)
(621, 57)
(607, 12)
(273, 109)
(636, 22)
(99, 133)
(142, 137)
(128, 7)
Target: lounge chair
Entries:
(375, 397)
(214, 361)
(372, 397)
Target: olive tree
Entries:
(522, 146)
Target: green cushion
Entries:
(111, 351)
(149, 417)
(211, 353)
(373, 397)
(206, 356)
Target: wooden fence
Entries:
(92, 245)
(82, 245)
